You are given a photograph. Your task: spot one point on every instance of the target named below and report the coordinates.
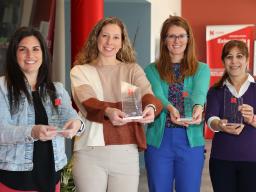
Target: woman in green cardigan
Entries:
(175, 147)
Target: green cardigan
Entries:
(196, 86)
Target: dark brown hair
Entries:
(225, 51)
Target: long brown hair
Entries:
(225, 51)
(89, 51)
(189, 62)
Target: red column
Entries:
(84, 15)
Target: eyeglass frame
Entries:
(173, 38)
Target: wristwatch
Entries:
(81, 130)
(153, 106)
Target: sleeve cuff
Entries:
(29, 138)
(210, 121)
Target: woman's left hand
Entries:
(70, 128)
(148, 115)
(197, 114)
(247, 113)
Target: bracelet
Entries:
(153, 106)
(80, 131)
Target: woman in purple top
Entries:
(233, 157)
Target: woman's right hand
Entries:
(116, 116)
(234, 129)
(43, 132)
(175, 115)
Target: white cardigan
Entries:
(93, 134)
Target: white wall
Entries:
(160, 10)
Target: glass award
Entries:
(185, 108)
(131, 101)
(231, 108)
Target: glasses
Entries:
(181, 37)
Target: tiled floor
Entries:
(206, 183)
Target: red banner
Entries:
(84, 15)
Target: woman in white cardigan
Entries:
(106, 156)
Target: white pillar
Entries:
(58, 63)
(160, 10)
(26, 12)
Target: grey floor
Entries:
(206, 182)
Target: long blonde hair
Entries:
(189, 63)
(89, 51)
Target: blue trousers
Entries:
(175, 161)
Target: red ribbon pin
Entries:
(233, 100)
(57, 102)
(184, 94)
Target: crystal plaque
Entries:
(131, 101)
(185, 107)
(231, 105)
